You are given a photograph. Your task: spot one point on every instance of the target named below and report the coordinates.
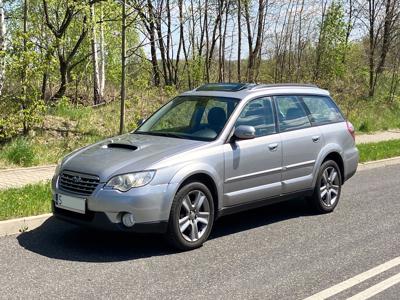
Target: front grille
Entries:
(82, 184)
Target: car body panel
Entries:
(106, 162)
(299, 156)
(252, 170)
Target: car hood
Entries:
(124, 154)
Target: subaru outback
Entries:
(209, 152)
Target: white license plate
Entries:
(74, 204)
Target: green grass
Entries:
(381, 150)
(29, 200)
(19, 152)
(373, 116)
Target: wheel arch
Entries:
(206, 175)
(331, 152)
(337, 158)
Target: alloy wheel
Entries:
(330, 185)
(194, 215)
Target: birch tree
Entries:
(97, 96)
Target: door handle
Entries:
(315, 138)
(273, 147)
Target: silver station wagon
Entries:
(212, 151)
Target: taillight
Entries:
(351, 130)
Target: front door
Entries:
(253, 167)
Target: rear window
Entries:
(322, 110)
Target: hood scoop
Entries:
(121, 146)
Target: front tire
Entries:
(328, 187)
(191, 217)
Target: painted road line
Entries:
(340, 287)
(377, 288)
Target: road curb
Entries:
(15, 226)
(378, 163)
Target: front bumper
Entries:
(150, 206)
(100, 220)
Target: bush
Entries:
(20, 152)
(8, 127)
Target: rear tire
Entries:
(327, 189)
(191, 217)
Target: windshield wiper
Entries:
(158, 133)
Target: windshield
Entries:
(190, 117)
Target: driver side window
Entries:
(259, 114)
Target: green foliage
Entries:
(19, 152)
(7, 127)
(30, 200)
(381, 150)
(22, 100)
(332, 45)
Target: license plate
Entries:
(74, 204)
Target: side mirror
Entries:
(244, 132)
(140, 122)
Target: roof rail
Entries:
(224, 87)
(274, 85)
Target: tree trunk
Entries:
(65, 59)
(102, 72)
(371, 54)
(221, 44)
(95, 61)
(239, 50)
(386, 39)
(254, 51)
(123, 68)
(24, 68)
(157, 20)
(64, 80)
(153, 51)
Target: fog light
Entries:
(128, 220)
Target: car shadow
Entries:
(60, 240)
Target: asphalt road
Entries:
(277, 252)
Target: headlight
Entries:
(125, 182)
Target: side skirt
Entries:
(260, 203)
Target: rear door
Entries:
(301, 143)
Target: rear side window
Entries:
(291, 114)
(322, 110)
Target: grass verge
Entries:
(29, 200)
(380, 150)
